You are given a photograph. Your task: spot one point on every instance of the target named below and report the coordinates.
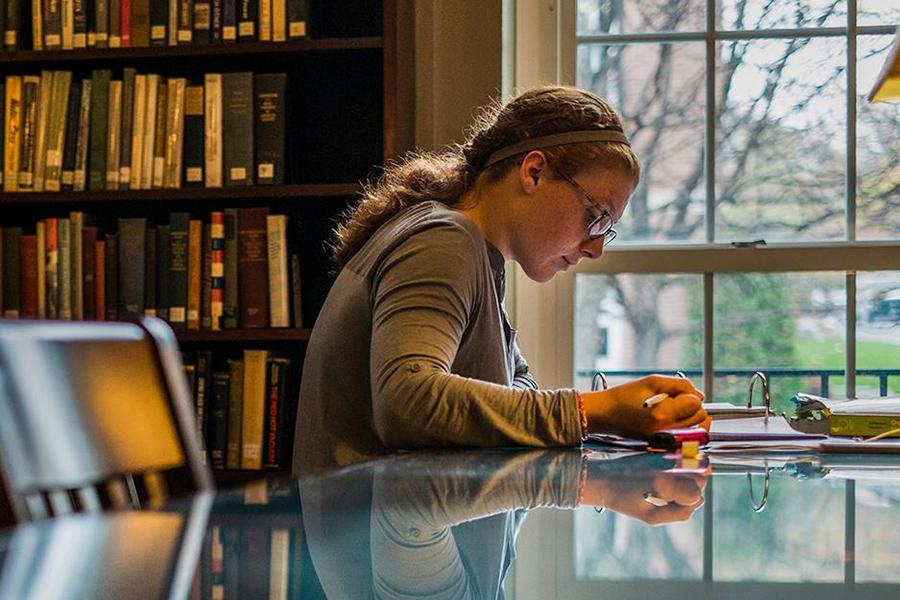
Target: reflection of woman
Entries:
(413, 348)
(445, 525)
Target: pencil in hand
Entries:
(654, 400)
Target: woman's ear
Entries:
(534, 166)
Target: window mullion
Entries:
(851, 122)
(850, 366)
(710, 165)
(708, 323)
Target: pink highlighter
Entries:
(671, 439)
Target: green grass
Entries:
(829, 354)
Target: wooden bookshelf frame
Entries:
(255, 192)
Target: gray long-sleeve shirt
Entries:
(413, 349)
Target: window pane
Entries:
(610, 546)
(782, 14)
(877, 524)
(789, 325)
(637, 323)
(780, 138)
(798, 537)
(640, 16)
(658, 88)
(878, 12)
(877, 148)
(878, 333)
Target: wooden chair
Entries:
(94, 416)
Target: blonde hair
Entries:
(446, 177)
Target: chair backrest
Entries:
(94, 416)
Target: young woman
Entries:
(413, 347)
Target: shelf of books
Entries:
(188, 160)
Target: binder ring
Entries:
(598, 380)
(680, 374)
(767, 398)
(758, 508)
(599, 509)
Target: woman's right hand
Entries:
(620, 409)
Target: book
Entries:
(237, 128)
(79, 23)
(206, 279)
(202, 396)
(125, 23)
(194, 137)
(253, 414)
(58, 117)
(28, 273)
(174, 137)
(276, 236)
(41, 251)
(51, 269)
(159, 22)
(114, 135)
(148, 145)
(68, 24)
(246, 20)
(195, 251)
(43, 117)
(37, 26)
(231, 317)
(52, 24)
(253, 267)
(269, 124)
(212, 121)
(864, 417)
(159, 143)
(67, 173)
(30, 92)
(217, 269)
(115, 23)
(125, 127)
(140, 23)
(76, 222)
(229, 21)
(279, 563)
(64, 269)
(139, 115)
(264, 34)
(178, 269)
(273, 428)
(217, 434)
(100, 19)
(112, 276)
(11, 262)
(235, 414)
(12, 25)
(298, 15)
(12, 132)
(79, 182)
(163, 246)
(202, 21)
(279, 21)
(132, 234)
(88, 269)
(100, 280)
(98, 128)
(150, 260)
(185, 33)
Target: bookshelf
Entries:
(342, 120)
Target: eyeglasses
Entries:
(600, 226)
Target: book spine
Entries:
(212, 120)
(202, 21)
(81, 146)
(150, 258)
(51, 269)
(41, 251)
(140, 23)
(12, 132)
(132, 241)
(115, 23)
(100, 280)
(2, 125)
(76, 223)
(265, 20)
(217, 268)
(127, 133)
(279, 307)
(112, 276)
(230, 305)
(12, 264)
(172, 24)
(202, 380)
(88, 268)
(215, 26)
(28, 272)
(13, 25)
(178, 269)
(30, 91)
(114, 135)
(185, 22)
(296, 295)
(279, 21)
(79, 24)
(159, 22)
(99, 124)
(253, 267)
(52, 25)
(206, 279)
(195, 244)
(273, 429)
(229, 21)
(162, 271)
(149, 142)
(237, 128)
(269, 137)
(67, 174)
(194, 137)
(218, 420)
(174, 140)
(159, 139)
(297, 18)
(246, 20)
(235, 414)
(137, 131)
(64, 293)
(37, 23)
(51, 170)
(68, 24)
(253, 408)
(101, 24)
(45, 106)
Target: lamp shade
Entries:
(887, 86)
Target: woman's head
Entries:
(521, 126)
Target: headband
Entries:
(557, 139)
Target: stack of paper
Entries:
(856, 417)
